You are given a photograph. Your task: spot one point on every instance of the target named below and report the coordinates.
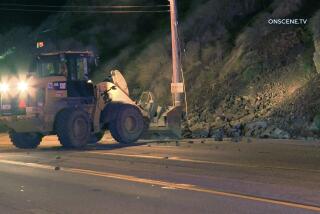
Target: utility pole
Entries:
(174, 115)
(177, 87)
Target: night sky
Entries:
(13, 19)
(33, 19)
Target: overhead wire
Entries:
(97, 9)
(83, 11)
(14, 7)
(81, 6)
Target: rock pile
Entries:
(249, 116)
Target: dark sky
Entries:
(13, 19)
(10, 19)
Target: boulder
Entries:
(217, 134)
(313, 127)
(186, 132)
(316, 122)
(200, 134)
(275, 133)
(254, 129)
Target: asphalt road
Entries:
(199, 176)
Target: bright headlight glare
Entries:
(23, 86)
(4, 87)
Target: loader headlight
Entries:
(4, 87)
(23, 86)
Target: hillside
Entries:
(243, 75)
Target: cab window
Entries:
(78, 69)
(46, 69)
(49, 66)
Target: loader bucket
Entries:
(168, 127)
(174, 117)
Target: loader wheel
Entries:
(128, 126)
(73, 128)
(25, 140)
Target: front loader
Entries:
(57, 98)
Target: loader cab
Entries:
(74, 66)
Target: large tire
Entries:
(73, 128)
(128, 126)
(25, 140)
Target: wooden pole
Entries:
(176, 76)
